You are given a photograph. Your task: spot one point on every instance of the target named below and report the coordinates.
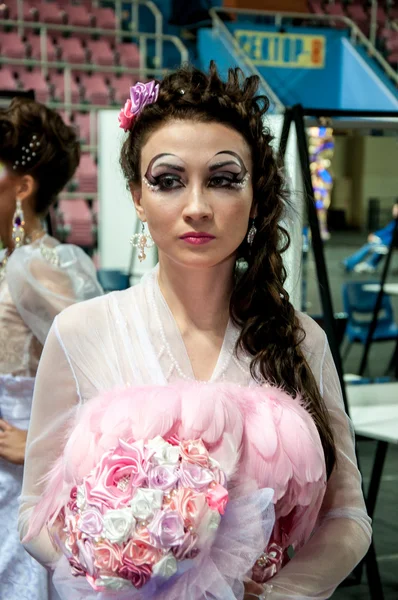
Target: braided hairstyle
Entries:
(260, 306)
(57, 153)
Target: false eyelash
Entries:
(241, 184)
(151, 186)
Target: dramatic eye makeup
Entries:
(226, 170)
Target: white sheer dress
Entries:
(131, 337)
(41, 279)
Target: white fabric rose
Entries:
(165, 568)
(80, 497)
(164, 453)
(118, 525)
(112, 583)
(145, 503)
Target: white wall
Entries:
(117, 217)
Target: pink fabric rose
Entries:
(76, 568)
(163, 477)
(86, 556)
(187, 548)
(141, 95)
(194, 452)
(126, 117)
(91, 522)
(194, 476)
(111, 483)
(190, 505)
(217, 498)
(138, 575)
(72, 504)
(141, 551)
(108, 556)
(167, 529)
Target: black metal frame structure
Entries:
(296, 115)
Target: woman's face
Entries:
(196, 193)
(8, 186)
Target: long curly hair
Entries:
(57, 154)
(259, 305)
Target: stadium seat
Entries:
(34, 80)
(128, 55)
(100, 53)
(11, 46)
(95, 89)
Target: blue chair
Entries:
(359, 305)
(113, 280)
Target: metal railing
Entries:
(246, 64)
(356, 35)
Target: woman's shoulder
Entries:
(83, 318)
(314, 342)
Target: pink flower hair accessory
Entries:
(141, 94)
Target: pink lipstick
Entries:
(197, 238)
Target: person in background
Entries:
(38, 279)
(374, 250)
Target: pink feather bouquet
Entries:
(171, 492)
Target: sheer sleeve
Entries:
(343, 534)
(46, 277)
(55, 401)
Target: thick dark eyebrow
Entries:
(224, 163)
(242, 164)
(176, 167)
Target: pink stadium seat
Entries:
(381, 15)
(393, 58)
(128, 55)
(316, 7)
(51, 13)
(392, 44)
(105, 18)
(72, 50)
(79, 16)
(82, 123)
(86, 175)
(357, 13)
(95, 89)
(100, 52)
(58, 85)
(121, 88)
(335, 9)
(34, 46)
(7, 81)
(76, 215)
(11, 46)
(34, 80)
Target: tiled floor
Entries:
(386, 516)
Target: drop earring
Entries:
(18, 226)
(252, 234)
(143, 241)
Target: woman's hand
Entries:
(12, 443)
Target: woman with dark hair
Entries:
(214, 313)
(38, 278)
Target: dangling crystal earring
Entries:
(142, 241)
(18, 226)
(251, 235)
